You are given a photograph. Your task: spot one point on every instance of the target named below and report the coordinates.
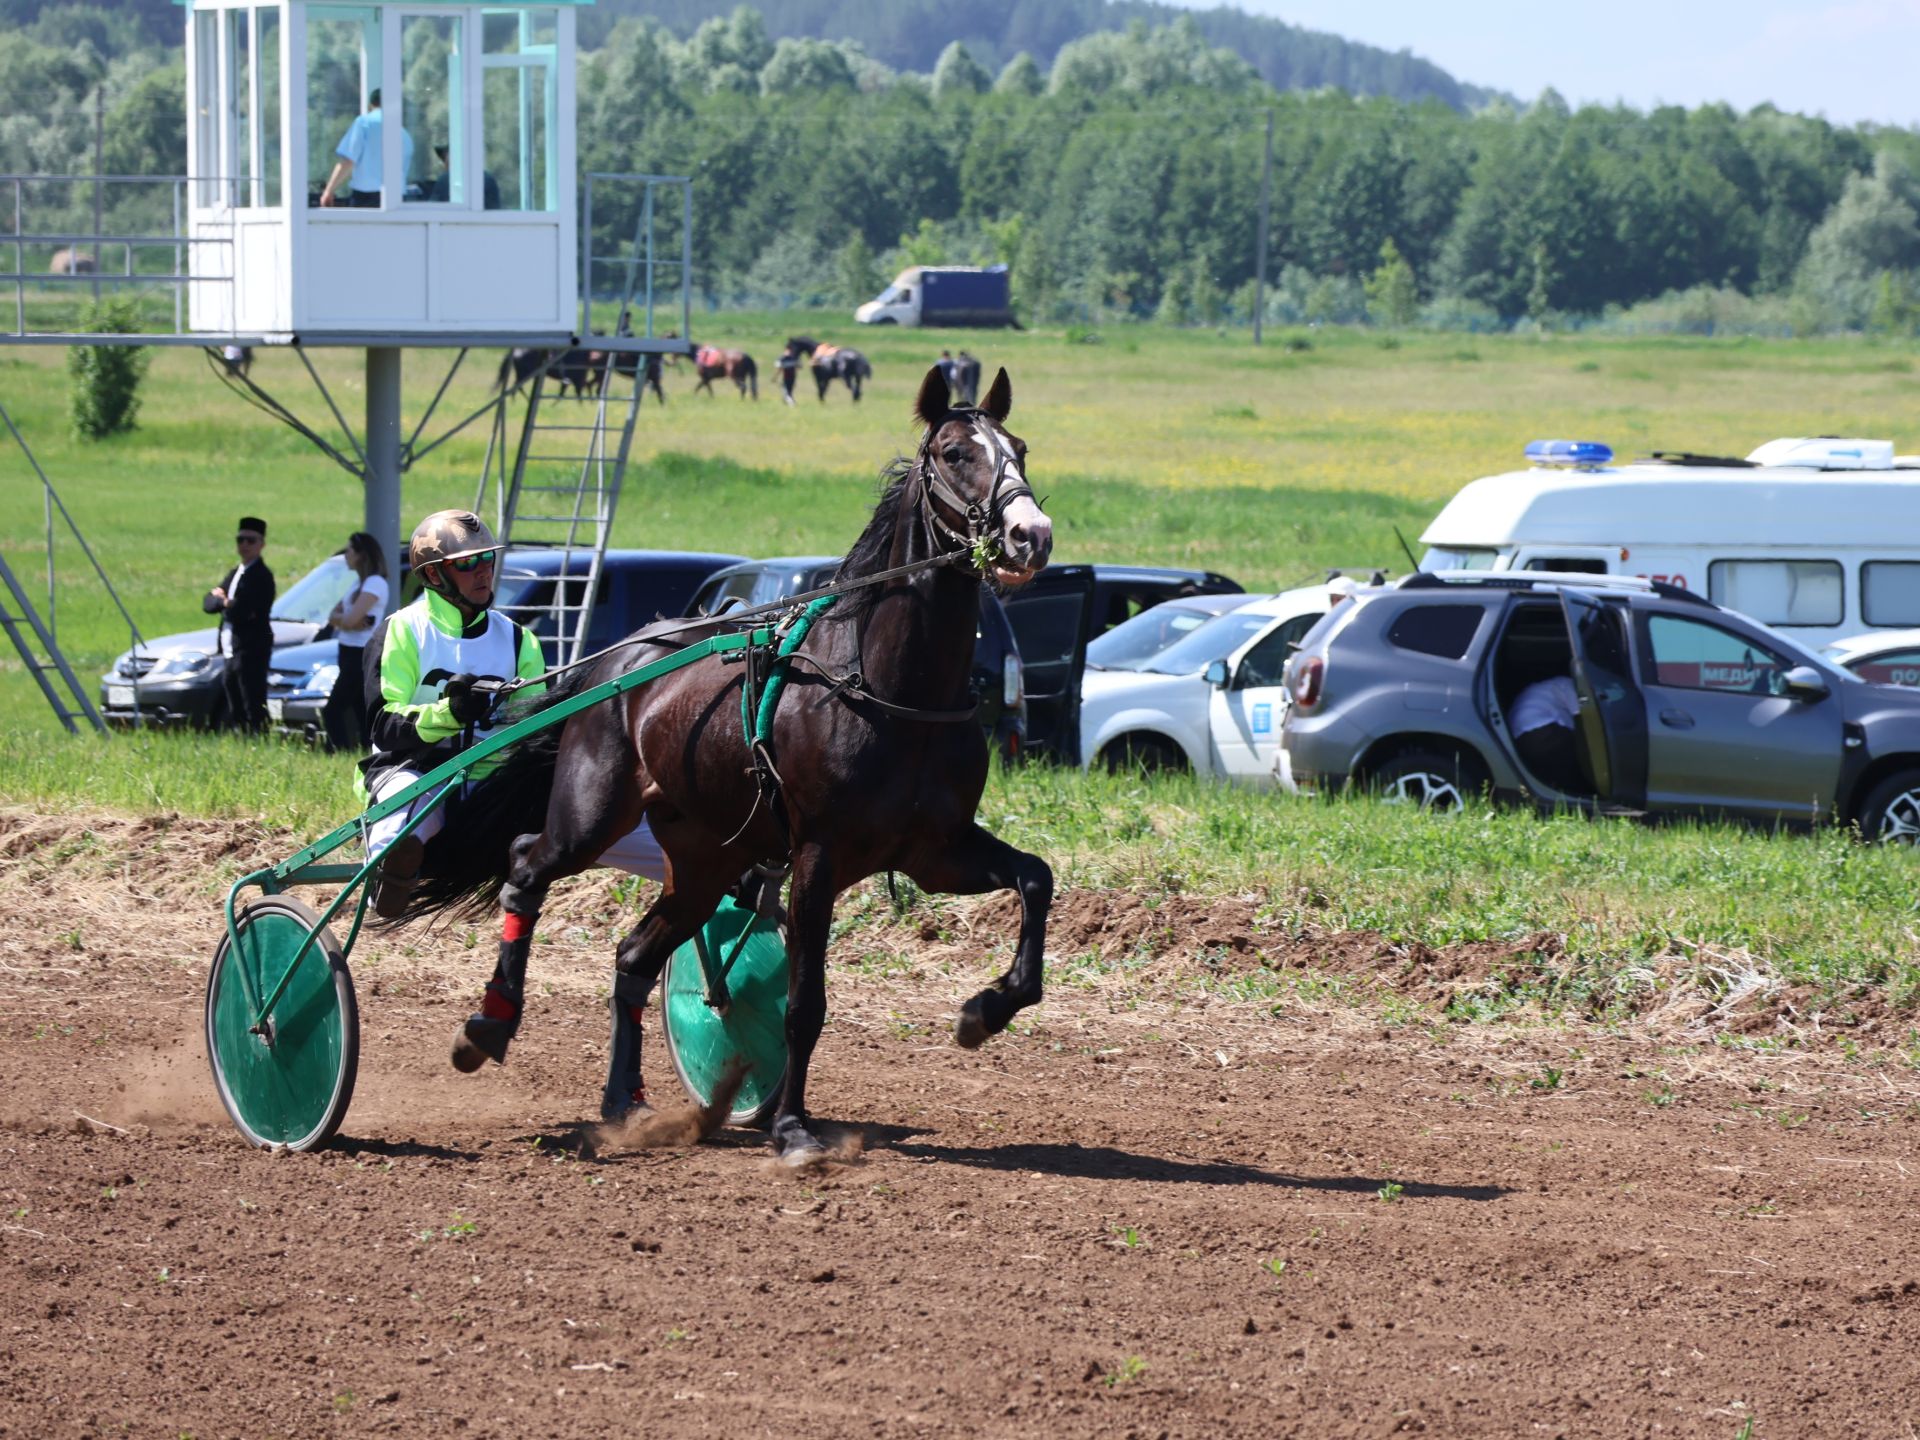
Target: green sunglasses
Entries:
(473, 562)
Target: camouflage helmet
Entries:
(448, 535)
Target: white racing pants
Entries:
(637, 853)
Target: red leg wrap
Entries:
(515, 927)
(496, 1004)
(634, 1012)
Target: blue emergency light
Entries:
(1580, 454)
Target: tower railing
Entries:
(636, 256)
(79, 238)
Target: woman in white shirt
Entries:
(354, 620)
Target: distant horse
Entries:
(859, 778)
(833, 362)
(582, 369)
(712, 364)
(578, 369)
(643, 370)
(518, 366)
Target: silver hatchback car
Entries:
(1676, 705)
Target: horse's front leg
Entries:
(972, 864)
(809, 917)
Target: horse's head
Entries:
(973, 472)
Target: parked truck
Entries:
(957, 295)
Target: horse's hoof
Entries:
(970, 1031)
(795, 1145)
(617, 1108)
(800, 1154)
(983, 1017)
(481, 1039)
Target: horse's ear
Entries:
(930, 406)
(999, 401)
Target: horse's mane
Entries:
(874, 547)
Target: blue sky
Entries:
(1851, 60)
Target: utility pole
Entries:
(99, 169)
(1260, 256)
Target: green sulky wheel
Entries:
(290, 1086)
(706, 1045)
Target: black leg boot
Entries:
(485, 1035)
(626, 1093)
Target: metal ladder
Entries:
(33, 637)
(564, 491)
(43, 658)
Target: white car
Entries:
(1165, 713)
(1886, 657)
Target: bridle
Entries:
(983, 520)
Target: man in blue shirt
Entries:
(358, 169)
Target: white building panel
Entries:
(364, 275)
(485, 276)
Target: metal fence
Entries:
(76, 240)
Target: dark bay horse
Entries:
(580, 369)
(833, 362)
(862, 778)
(711, 364)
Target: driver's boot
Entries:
(487, 1033)
(625, 1095)
(759, 891)
(396, 876)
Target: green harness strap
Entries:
(759, 727)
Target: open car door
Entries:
(1613, 713)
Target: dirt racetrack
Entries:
(1139, 1214)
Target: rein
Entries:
(746, 617)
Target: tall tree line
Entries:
(1123, 177)
(1126, 177)
(910, 34)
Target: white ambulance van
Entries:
(1818, 538)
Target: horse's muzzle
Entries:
(1026, 543)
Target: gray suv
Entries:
(1684, 707)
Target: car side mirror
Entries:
(1215, 674)
(1804, 683)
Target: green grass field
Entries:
(1150, 445)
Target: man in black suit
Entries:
(244, 603)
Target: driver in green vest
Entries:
(423, 666)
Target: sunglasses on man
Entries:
(473, 562)
(246, 539)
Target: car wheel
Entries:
(1431, 779)
(1143, 753)
(1892, 813)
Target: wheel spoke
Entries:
(1426, 790)
(1901, 825)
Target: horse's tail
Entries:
(750, 372)
(462, 880)
(505, 372)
